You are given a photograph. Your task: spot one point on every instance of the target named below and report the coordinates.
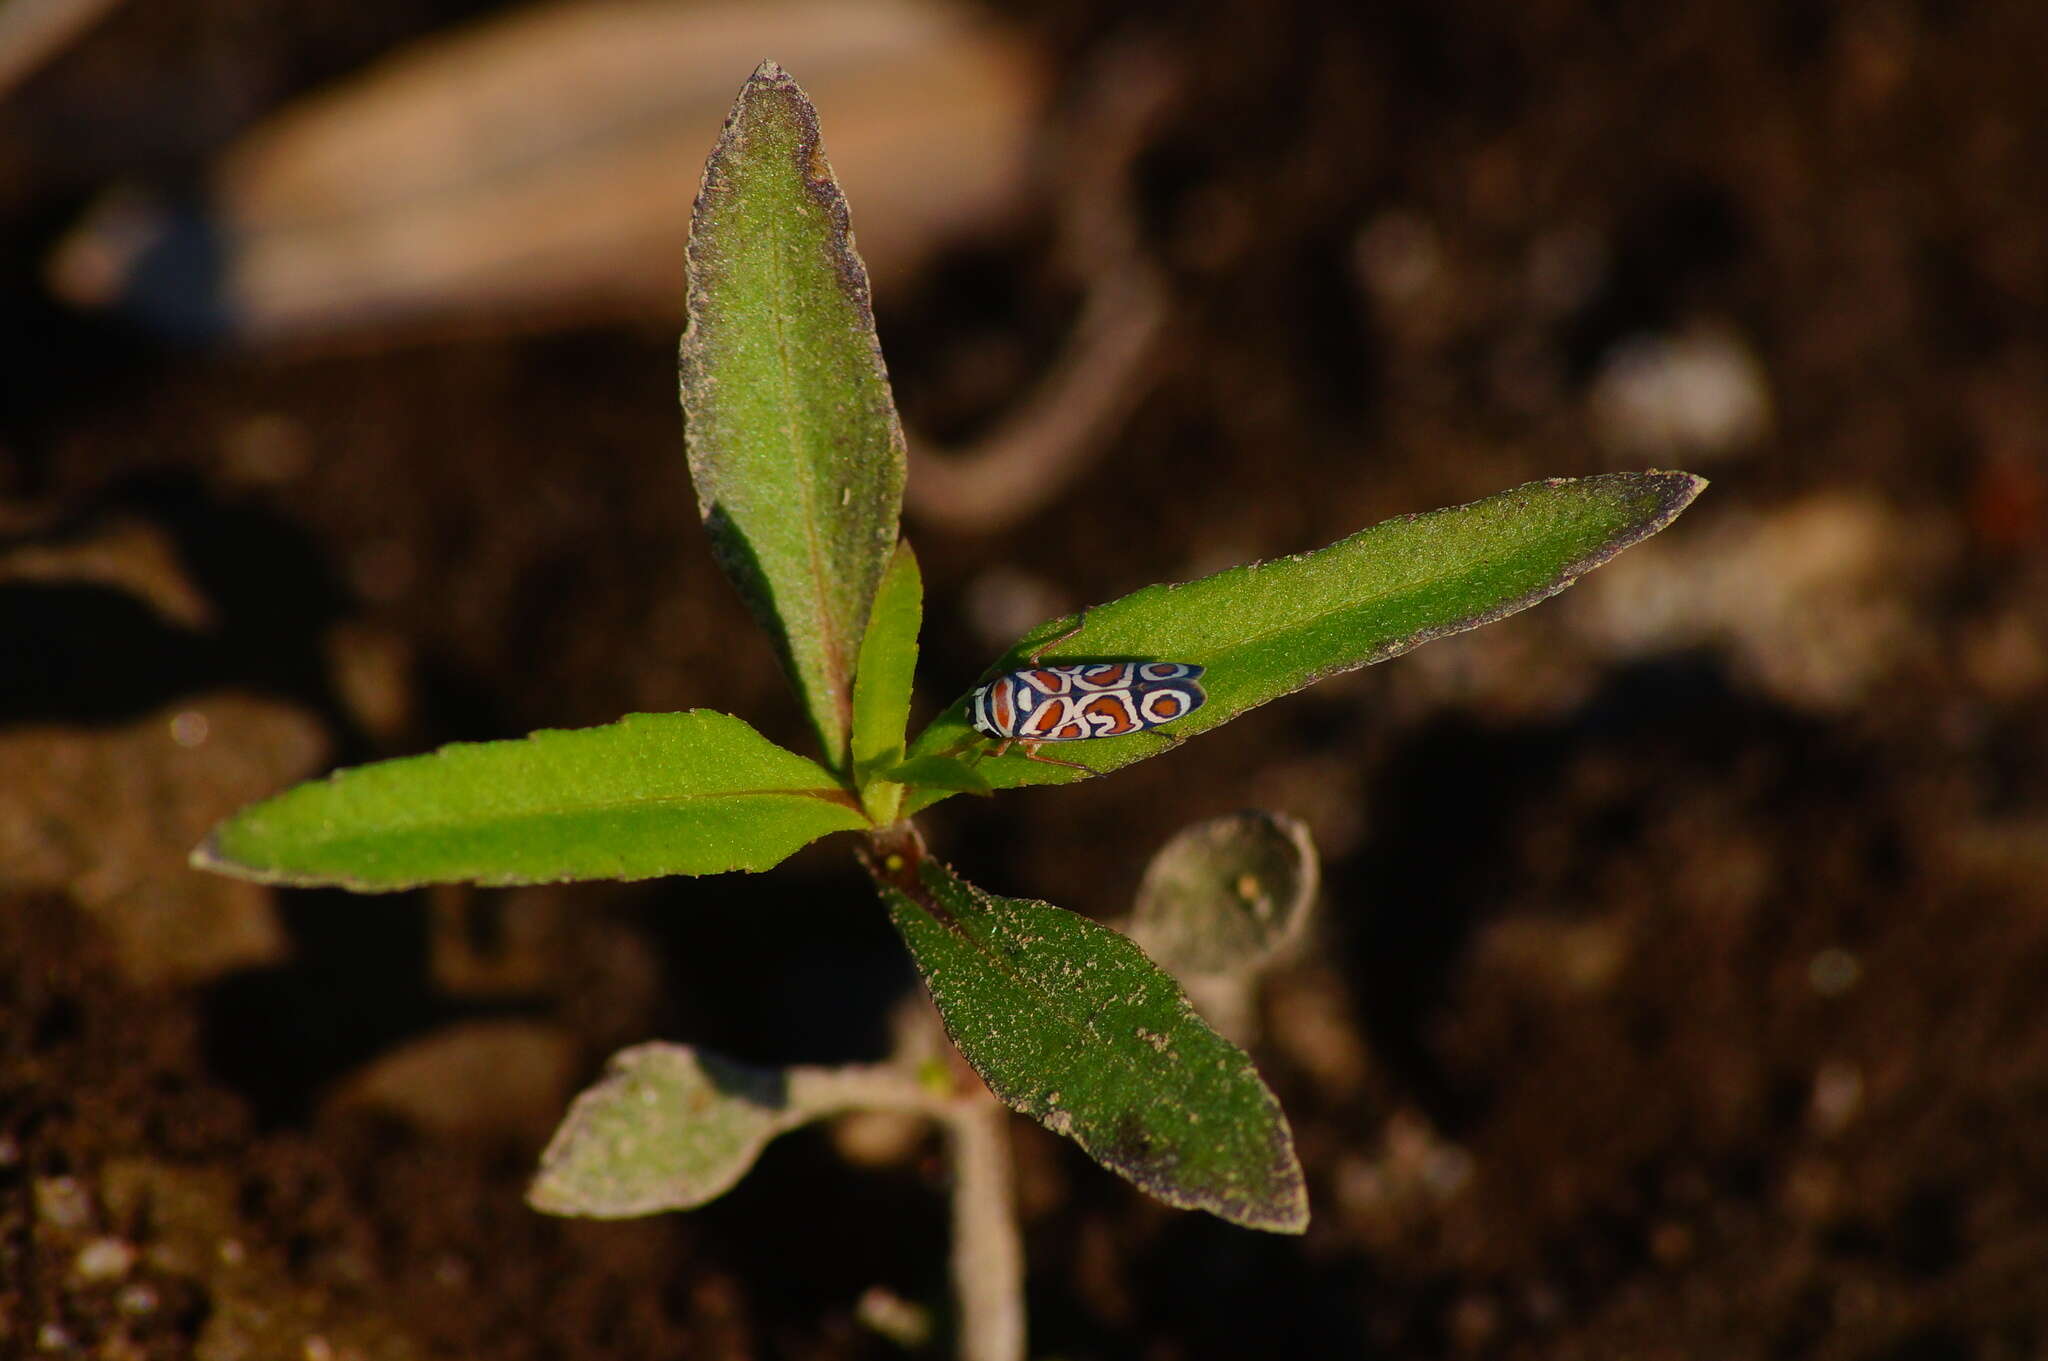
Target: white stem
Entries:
(814, 1092)
(988, 1252)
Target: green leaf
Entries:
(1269, 628)
(689, 793)
(1068, 1022)
(941, 772)
(881, 687)
(668, 1127)
(794, 444)
(1226, 896)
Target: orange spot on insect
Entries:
(1046, 720)
(1114, 708)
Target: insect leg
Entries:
(1080, 621)
(1031, 753)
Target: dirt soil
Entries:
(1682, 987)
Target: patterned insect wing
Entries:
(1165, 691)
(995, 709)
(1110, 713)
(1072, 703)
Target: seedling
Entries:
(798, 461)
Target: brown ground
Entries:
(1688, 937)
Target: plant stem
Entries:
(988, 1252)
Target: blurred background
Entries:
(1681, 984)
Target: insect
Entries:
(1071, 703)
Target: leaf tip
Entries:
(1670, 492)
(770, 72)
(207, 856)
(1282, 1213)
(544, 1196)
(1679, 489)
(211, 856)
(1656, 498)
(771, 80)
(1275, 1202)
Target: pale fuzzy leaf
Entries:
(668, 1127)
(1227, 895)
(793, 438)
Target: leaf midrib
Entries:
(1242, 641)
(833, 645)
(1057, 1008)
(837, 798)
(951, 720)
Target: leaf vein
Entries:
(828, 631)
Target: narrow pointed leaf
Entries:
(794, 444)
(689, 793)
(888, 657)
(1068, 1022)
(888, 660)
(1269, 628)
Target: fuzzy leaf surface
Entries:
(1269, 628)
(794, 443)
(941, 772)
(1068, 1022)
(1226, 896)
(687, 793)
(668, 1127)
(888, 659)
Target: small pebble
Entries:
(189, 728)
(1695, 394)
(62, 1202)
(1399, 257)
(1837, 1096)
(1833, 972)
(104, 1259)
(883, 1311)
(138, 1300)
